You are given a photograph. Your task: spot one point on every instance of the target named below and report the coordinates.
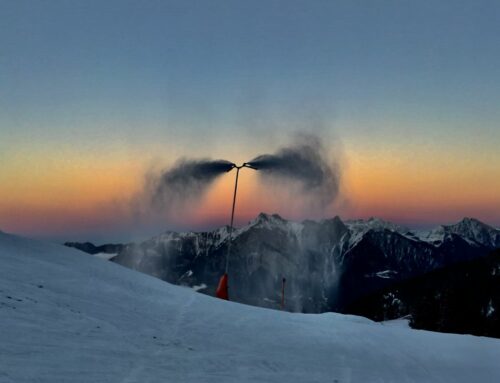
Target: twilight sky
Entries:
(95, 93)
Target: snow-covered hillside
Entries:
(71, 317)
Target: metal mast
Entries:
(232, 217)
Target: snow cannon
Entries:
(221, 291)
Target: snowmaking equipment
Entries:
(222, 288)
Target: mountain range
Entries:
(330, 265)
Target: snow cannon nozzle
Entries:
(250, 166)
(244, 165)
(232, 166)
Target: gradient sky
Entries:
(94, 93)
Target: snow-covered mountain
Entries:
(470, 229)
(71, 317)
(327, 264)
(362, 226)
(263, 252)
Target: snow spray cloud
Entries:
(186, 181)
(305, 162)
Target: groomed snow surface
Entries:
(70, 317)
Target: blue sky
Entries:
(217, 60)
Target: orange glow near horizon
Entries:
(93, 193)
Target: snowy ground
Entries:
(71, 317)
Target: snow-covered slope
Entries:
(70, 317)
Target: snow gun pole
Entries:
(222, 289)
(232, 218)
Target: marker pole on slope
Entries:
(283, 281)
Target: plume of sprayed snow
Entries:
(306, 161)
(185, 181)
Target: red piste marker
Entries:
(222, 291)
